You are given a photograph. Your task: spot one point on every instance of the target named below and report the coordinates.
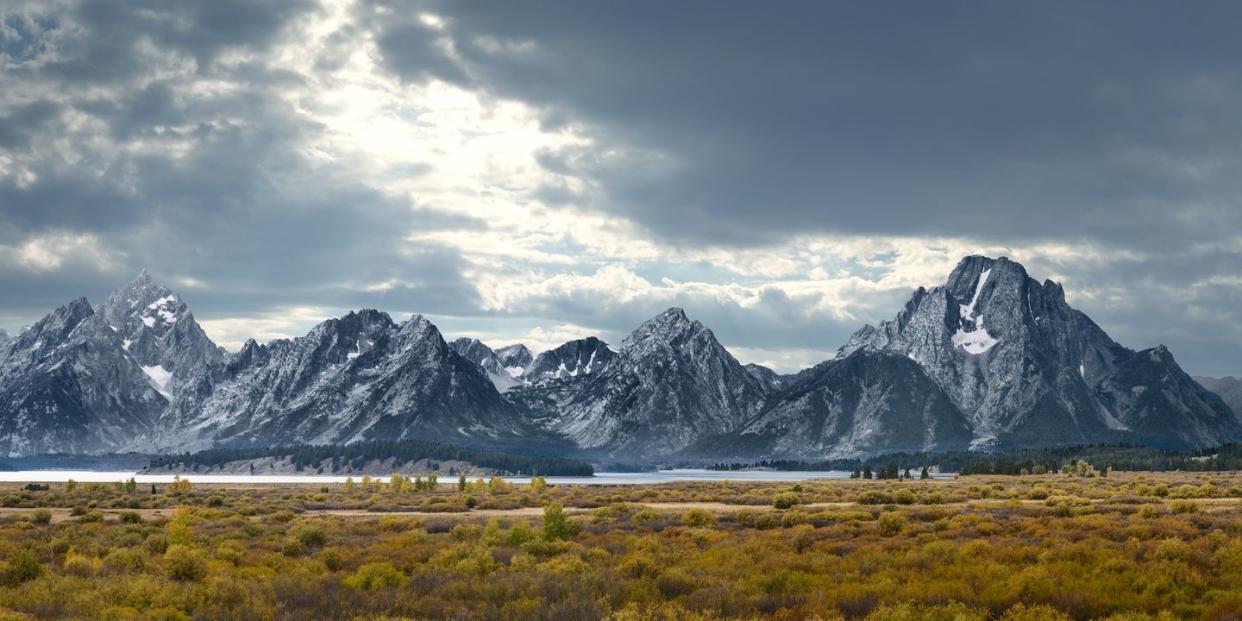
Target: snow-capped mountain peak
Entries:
(158, 329)
(515, 358)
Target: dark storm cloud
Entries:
(221, 191)
(1008, 121)
(167, 135)
(1086, 123)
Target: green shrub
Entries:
(785, 500)
(1184, 506)
(184, 564)
(890, 524)
(310, 536)
(556, 526)
(372, 576)
(698, 518)
(22, 566)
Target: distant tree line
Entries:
(1102, 457)
(357, 455)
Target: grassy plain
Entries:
(1126, 547)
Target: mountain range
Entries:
(992, 359)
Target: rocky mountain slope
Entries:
(1026, 369)
(1228, 389)
(359, 377)
(68, 385)
(575, 358)
(515, 357)
(474, 350)
(159, 331)
(866, 403)
(669, 385)
(990, 359)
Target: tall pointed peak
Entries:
(145, 282)
(420, 326)
(674, 318)
(667, 326)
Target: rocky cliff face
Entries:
(573, 359)
(866, 403)
(515, 358)
(359, 377)
(990, 359)
(670, 384)
(67, 385)
(159, 331)
(1026, 369)
(770, 379)
(477, 352)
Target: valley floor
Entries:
(1125, 548)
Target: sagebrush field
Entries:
(1046, 547)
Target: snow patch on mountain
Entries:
(976, 340)
(160, 377)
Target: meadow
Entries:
(1076, 545)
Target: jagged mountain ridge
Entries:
(1006, 353)
(1028, 370)
(68, 385)
(356, 378)
(670, 384)
(160, 332)
(772, 380)
(474, 350)
(572, 359)
(515, 357)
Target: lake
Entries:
(602, 478)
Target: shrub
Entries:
(131, 517)
(698, 518)
(124, 561)
(372, 576)
(78, 565)
(310, 536)
(890, 524)
(41, 516)
(556, 526)
(519, 534)
(291, 547)
(784, 500)
(331, 559)
(1184, 506)
(675, 583)
(1172, 550)
(478, 563)
(645, 515)
(875, 498)
(184, 564)
(21, 567)
(157, 544)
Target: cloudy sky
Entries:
(543, 171)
